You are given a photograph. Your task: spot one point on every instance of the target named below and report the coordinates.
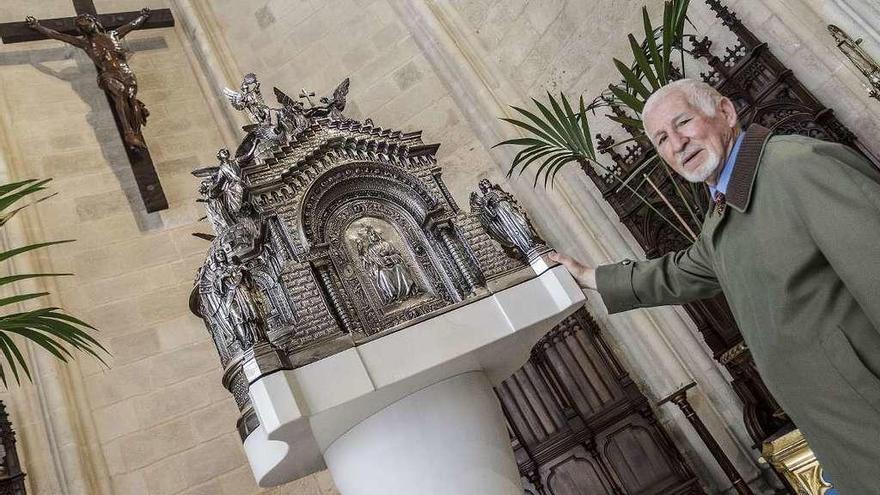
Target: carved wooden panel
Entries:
(579, 425)
(575, 474)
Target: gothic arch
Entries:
(361, 180)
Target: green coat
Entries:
(797, 255)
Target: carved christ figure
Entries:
(111, 61)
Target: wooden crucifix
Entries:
(99, 36)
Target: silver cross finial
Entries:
(306, 94)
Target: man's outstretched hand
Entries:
(585, 275)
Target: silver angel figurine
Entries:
(331, 106)
(264, 129)
(505, 221)
(385, 264)
(223, 189)
(336, 104)
(249, 100)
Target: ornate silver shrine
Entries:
(331, 232)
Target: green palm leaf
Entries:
(546, 154)
(627, 121)
(573, 121)
(564, 122)
(552, 120)
(629, 100)
(557, 136)
(5, 255)
(585, 128)
(49, 328)
(632, 80)
(647, 67)
(524, 155)
(652, 61)
(651, 42)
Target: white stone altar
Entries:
(412, 412)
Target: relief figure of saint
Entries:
(385, 264)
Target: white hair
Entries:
(699, 95)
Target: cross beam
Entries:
(18, 32)
(141, 162)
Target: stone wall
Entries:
(796, 31)
(315, 45)
(157, 420)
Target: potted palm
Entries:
(557, 135)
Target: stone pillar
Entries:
(324, 270)
(446, 438)
(863, 16)
(444, 230)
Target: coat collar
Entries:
(742, 180)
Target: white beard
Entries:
(704, 171)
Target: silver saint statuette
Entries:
(223, 190)
(505, 221)
(236, 292)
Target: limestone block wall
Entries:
(796, 31)
(157, 421)
(315, 45)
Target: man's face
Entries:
(691, 142)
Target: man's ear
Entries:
(728, 110)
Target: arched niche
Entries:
(337, 210)
(362, 180)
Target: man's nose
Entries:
(678, 142)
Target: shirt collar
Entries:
(727, 171)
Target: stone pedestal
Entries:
(412, 411)
(446, 438)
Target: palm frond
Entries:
(49, 328)
(652, 60)
(561, 138)
(556, 136)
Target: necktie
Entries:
(720, 202)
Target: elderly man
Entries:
(794, 244)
